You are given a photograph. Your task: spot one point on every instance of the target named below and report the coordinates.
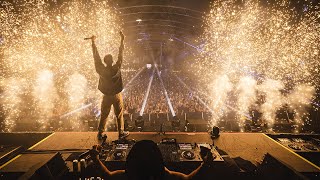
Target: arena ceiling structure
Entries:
(163, 26)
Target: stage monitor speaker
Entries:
(52, 169)
(198, 125)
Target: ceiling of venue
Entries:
(156, 25)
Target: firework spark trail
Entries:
(11, 99)
(219, 94)
(37, 35)
(273, 99)
(299, 100)
(76, 88)
(262, 39)
(45, 95)
(246, 89)
(273, 40)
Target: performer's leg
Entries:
(105, 110)
(118, 110)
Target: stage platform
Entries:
(249, 146)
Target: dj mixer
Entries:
(170, 150)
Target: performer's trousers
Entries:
(117, 102)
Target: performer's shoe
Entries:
(124, 134)
(99, 135)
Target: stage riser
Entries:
(249, 146)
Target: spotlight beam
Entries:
(147, 94)
(191, 91)
(158, 73)
(76, 110)
(165, 92)
(133, 78)
(193, 46)
(202, 102)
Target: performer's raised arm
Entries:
(120, 55)
(97, 59)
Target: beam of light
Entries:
(147, 94)
(213, 112)
(161, 82)
(193, 46)
(165, 92)
(75, 111)
(191, 91)
(133, 78)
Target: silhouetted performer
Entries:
(110, 84)
(145, 162)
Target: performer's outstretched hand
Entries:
(93, 37)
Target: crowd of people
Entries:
(182, 99)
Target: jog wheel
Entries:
(118, 155)
(188, 155)
(310, 147)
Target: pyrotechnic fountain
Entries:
(42, 45)
(273, 43)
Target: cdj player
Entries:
(170, 149)
(116, 152)
(191, 152)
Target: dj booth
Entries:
(62, 155)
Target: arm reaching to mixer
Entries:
(207, 158)
(94, 153)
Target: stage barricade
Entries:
(153, 117)
(127, 117)
(194, 115)
(163, 116)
